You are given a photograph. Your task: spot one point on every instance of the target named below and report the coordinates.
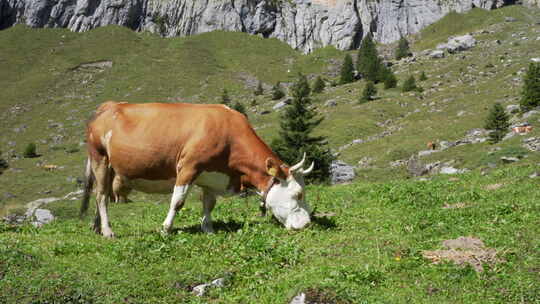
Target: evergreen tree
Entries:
(497, 122)
(225, 99)
(369, 91)
(403, 50)
(259, 90)
(369, 64)
(530, 95)
(423, 76)
(240, 108)
(277, 91)
(347, 70)
(390, 81)
(297, 123)
(409, 85)
(30, 151)
(318, 85)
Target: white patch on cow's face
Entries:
(286, 200)
(216, 181)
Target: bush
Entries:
(390, 81)
(30, 151)
(423, 76)
(240, 108)
(368, 93)
(410, 85)
(259, 90)
(277, 91)
(347, 70)
(403, 50)
(318, 85)
(225, 99)
(497, 122)
(530, 95)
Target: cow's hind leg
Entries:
(209, 201)
(103, 174)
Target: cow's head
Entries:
(286, 197)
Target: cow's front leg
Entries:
(177, 201)
(209, 201)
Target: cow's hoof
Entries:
(108, 234)
(166, 230)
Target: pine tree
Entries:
(369, 64)
(225, 99)
(318, 85)
(297, 123)
(369, 91)
(259, 90)
(409, 85)
(30, 151)
(277, 91)
(347, 70)
(497, 122)
(530, 95)
(390, 81)
(423, 76)
(240, 108)
(402, 50)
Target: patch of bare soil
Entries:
(320, 296)
(464, 250)
(493, 186)
(455, 206)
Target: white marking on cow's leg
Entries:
(209, 201)
(177, 201)
(106, 230)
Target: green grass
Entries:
(351, 256)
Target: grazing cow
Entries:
(164, 148)
(431, 145)
(522, 129)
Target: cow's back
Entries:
(147, 140)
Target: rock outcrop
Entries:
(303, 24)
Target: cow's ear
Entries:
(272, 167)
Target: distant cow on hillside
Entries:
(431, 145)
(164, 148)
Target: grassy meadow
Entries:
(366, 244)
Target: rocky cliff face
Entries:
(303, 24)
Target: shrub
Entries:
(277, 91)
(423, 76)
(297, 123)
(390, 81)
(403, 50)
(530, 95)
(410, 85)
(347, 70)
(318, 85)
(225, 99)
(30, 151)
(497, 122)
(369, 92)
(240, 108)
(259, 90)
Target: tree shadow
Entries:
(229, 226)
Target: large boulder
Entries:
(457, 44)
(341, 172)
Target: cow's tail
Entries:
(88, 185)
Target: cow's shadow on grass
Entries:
(324, 222)
(229, 226)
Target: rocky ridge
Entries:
(303, 24)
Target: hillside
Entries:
(53, 79)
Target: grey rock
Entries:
(330, 103)
(341, 172)
(535, 59)
(200, 290)
(279, 105)
(437, 54)
(509, 159)
(512, 108)
(510, 19)
(305, 25)
(451, 170)
(534, 175)
(532, 144)
(457, 44)
(42, 217)
(415, 166)
(299, 299)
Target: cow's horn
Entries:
(308, 170)
(299, 165)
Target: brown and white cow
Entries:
(164, 148)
